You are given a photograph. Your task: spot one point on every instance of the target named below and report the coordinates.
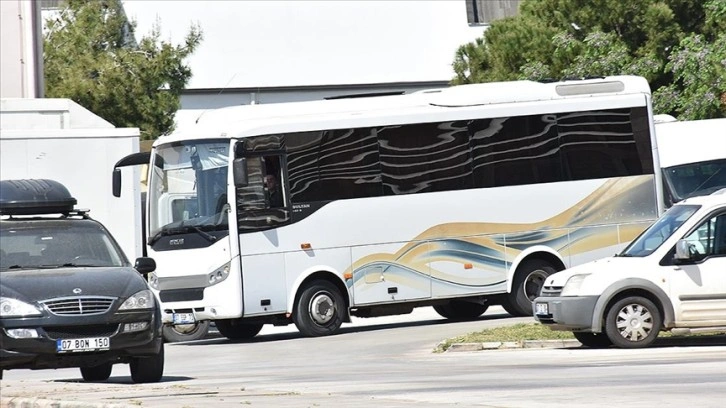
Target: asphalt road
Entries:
(388, 362)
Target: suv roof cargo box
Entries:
(34, 196)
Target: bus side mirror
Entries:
(116, 182)
(239, 172)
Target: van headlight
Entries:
(218, 275)
(572, 286)
(140, 300)
(11, 307)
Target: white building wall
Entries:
(21, 65)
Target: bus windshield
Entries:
(695, 179)
(188, 188)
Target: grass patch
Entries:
(517, 332)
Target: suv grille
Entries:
(551, 291)
(73, 306)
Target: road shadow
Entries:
(213, 337)
(122, 379)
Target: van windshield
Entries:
(660, 231)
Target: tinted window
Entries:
(425, 157)
(514, 151)
(598, 144)
(333, 164)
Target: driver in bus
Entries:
(274, 194)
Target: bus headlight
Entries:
(153, 281)
(218, 275)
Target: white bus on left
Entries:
(456, 198)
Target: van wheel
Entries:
(97, 373)
(234, 329)
(528, 281)
(593, 340)
(459, 310)
(319, 310)
(633, 322)
(148, 369)
(185, 332)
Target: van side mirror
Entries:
(239, 172)
(683, 250)
(116, 182)
(145, 265)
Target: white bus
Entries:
(457, 198)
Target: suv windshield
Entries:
(33, 244)
(653, 237)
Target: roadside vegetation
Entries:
(517, 333)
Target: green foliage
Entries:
(91, 57)
(677, 45)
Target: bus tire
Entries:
(234, 329)
(528, 281)
(319, 310)
(459, 310)
(185, 332)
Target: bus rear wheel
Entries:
(528, 282)
(319, 310)
(234, 329)
(459, 310)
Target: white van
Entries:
(672, 277)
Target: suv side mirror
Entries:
(683, 250)
(145, 265)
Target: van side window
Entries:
(709, 238)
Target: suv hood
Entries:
(40, 284)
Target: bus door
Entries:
(262, 206)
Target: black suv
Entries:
(68, 295)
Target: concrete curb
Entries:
(25, 402)
(529, 344)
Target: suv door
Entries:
(698, 287)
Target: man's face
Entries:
(270, 181)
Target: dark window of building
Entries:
(424, 158)
(486, 11)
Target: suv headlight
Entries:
(140, 300)
(572, 286)
(11, 307)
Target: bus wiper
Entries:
(182, 229)
(209, 237)
(700, 186)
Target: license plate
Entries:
(542, 309)
(87, 344)
(183, 318)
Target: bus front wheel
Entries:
(319, 310)
(528, 282)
